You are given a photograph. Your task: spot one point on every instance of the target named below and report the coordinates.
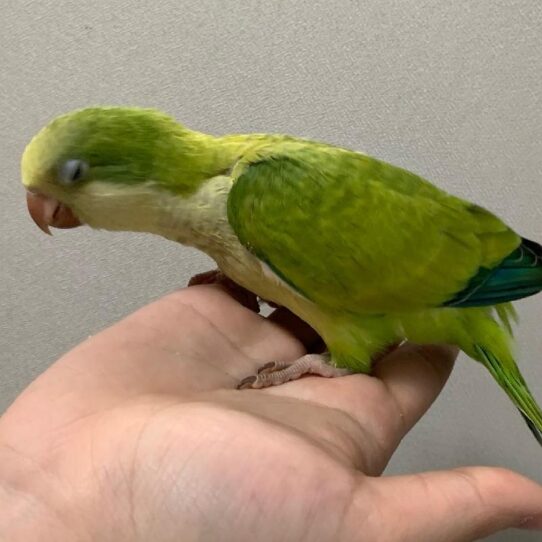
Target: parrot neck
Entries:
(201, 219)
(197, 157)
(194, 158)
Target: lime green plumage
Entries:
(380, 249)
(134, 147)
(368, 253)
(383, 238)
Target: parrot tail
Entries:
(512, 382)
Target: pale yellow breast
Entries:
(199, 220)
(204, 216)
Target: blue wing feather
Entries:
(518, 275)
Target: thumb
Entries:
(447, 506)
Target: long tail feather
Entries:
(512, 382)
(533, 428)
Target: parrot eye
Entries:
(73, 171)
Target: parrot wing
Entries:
(349, 231)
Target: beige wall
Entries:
(451, 90)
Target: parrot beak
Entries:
(46, 211)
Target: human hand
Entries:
(139, 434)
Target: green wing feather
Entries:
(349, 231)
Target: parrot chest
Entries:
(201, 221)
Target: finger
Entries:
(243, 296)
(448, 506)
(386, 405)
(240, 294)
(192, 339)
(414, 376)
(260, 339)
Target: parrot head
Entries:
(107, 166)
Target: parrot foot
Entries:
(275, 373)
(242, 295)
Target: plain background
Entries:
(450, 90)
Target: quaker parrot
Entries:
(367, 253)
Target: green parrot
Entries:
(366, 253)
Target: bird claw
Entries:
(275, 373)
(247, 383)
(273, 366)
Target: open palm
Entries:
(140, 435)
